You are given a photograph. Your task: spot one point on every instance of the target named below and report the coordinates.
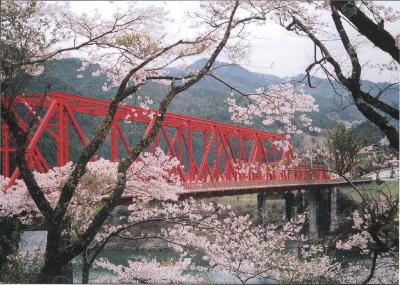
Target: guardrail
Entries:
(253, 184)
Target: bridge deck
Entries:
(219, 189)
(210, 189)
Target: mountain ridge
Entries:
(205, 99)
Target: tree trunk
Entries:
(380, 121)
(56, 273)
(86, 266)
(57, 267)
(372, 270)
(374, 32)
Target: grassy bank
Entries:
(374, 189)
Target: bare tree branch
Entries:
(374, 32)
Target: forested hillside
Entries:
(207, 98)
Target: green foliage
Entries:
(17, 19)
(10, 235)
(21, 269)
(343, 145)
(12, 268)
(369, 131)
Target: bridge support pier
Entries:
(333, 210)
(312, 213)
(289, 205)
(300, 201)
(261, 198)
(322, 210)
(321, 205)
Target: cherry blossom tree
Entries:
(234, 246)
(352, 22)
(149, 272)
(375, 234)
(369, 18)
(132, 49)
(192, 224)
(365, 18)
(229, 243)
(146, 177)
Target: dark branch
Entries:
(374, 32)
(33, 188)
(85, 239)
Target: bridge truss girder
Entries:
(226, 149)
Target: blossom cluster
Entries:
(374, 219)
(228, 242)
(148, 272)
(281, 103)
(145, 178)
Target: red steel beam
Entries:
(65, 106)
(5, 146)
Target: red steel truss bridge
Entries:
(214, 156)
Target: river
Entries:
(32, 240)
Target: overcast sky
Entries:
(273, 49)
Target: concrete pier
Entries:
(310, 196)
(333, 210)
(261, 198)
(289, 205)
(321, 205)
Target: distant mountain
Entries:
(333, 107)
(206, 99)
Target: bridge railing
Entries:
(237, 185)
(299, 174)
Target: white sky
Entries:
(273, 49)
